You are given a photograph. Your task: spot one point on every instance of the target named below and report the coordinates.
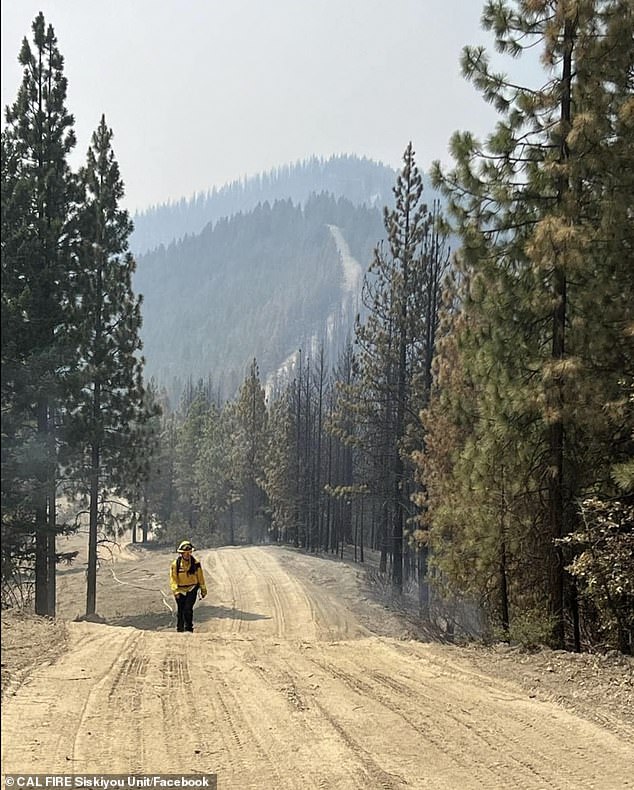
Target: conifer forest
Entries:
(475, 428)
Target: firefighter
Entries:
(186, 579)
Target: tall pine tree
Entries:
(401, 291)
(108, 425)
(37, 285)
(253, 419)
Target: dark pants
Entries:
(185, 604)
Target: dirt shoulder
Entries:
(28, 641)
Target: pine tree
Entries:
(234, 440)
(189, 447)
(394, 354)
(163, 494)
(213, 472)
(351, 449)
(38, 196)
(149, 481)
(107, 427)
(17, 515)
(253, 418)
(280, 466)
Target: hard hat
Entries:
(185, 545)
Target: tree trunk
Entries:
(423, 586)
(51, 551)
(298, 443)
(232, 536)
(91, 587)
(556, 431)
(399, 507)
(41, 523)
(95, 460)
(384, 544)
(504, 590)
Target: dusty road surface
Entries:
(291, 680)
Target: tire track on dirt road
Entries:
(254, 748)
(278, 596)
(113, 702)
(414, 736)
(340, 764)
(300, 608)
(178, 718)
(508, 715)
(259, 570)
(61, 699)
(369, 773)
(497, 742)
(447, 666)
(225, 589)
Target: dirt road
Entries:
(286, 684)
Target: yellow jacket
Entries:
(181, 581)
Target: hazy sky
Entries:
(201, 92)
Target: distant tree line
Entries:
(75, 418)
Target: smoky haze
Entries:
(200, 94)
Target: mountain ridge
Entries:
(359, 179)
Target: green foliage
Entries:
(252, 416)
(280, 467)
(357, 180)
(208, 474)
(623, 475)
(540, 322)
(603, 565)
(110, 412)
(530, 628)
(189, 446)
(379, 411)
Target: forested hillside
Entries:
(258, 284)
(360, 180)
